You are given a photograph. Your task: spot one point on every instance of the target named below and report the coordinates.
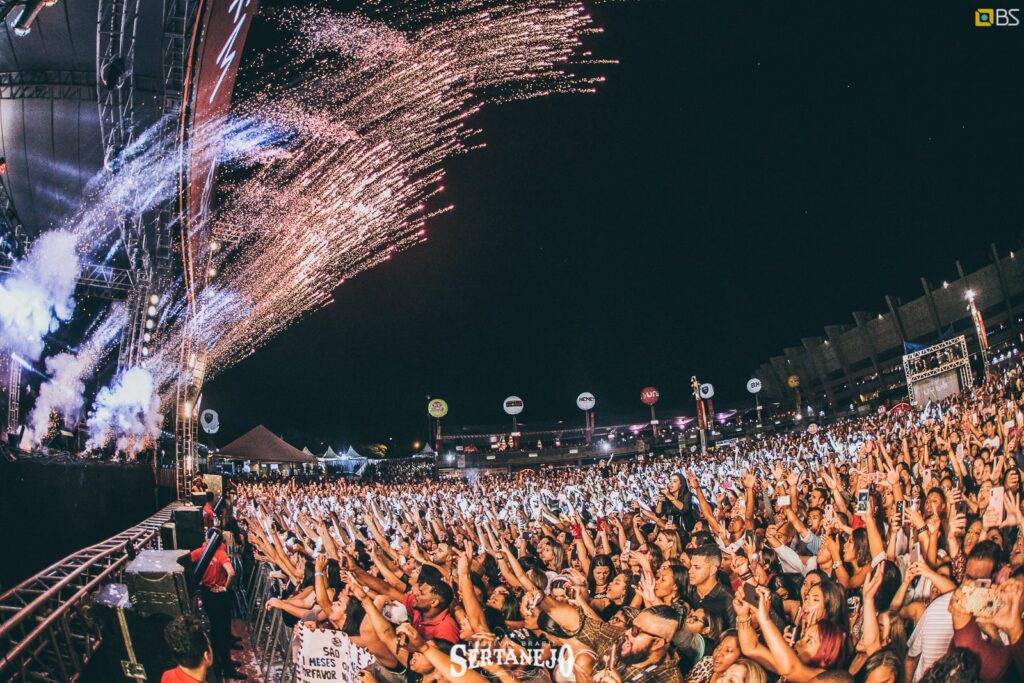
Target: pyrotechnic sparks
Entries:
(64, 390)
(37, 296)
(127, 412)
(341, 167)
(381, 100)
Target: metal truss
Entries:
(961, 363)
(178, 18)
(47, 85)
(115, 79)
(45, 630)
(58, 85)
(11, 372)
(95, 280)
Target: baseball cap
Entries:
(395, 612)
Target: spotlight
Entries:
(212, 272)
(154, 299)
(23, 24)
(147, 337)
(145, 350)
(150, 324)
(970, 295)
(151, 311)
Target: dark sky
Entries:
(745, 176)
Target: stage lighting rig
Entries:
(23, 24)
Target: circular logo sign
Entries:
(707, 390)
(753, 385)
(513, 405)
(210, 421)
(585, 401)
(649, 396)
(437, 408)
(793, 381)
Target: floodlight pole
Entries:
(979, 329)
(701, 418)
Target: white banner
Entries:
(329, 656)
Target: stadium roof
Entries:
(49, 114)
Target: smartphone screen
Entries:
(750, 594)
(862, 500)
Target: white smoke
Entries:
(65, 388)
(38, 295)
(127, 412)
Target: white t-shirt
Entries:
(932, 635)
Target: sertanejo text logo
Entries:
(1000, 16)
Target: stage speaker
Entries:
(188, 526)
(199, 500)
(158, 583)
(169, 536)
(133, 646)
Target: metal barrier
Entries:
(45, 632)
(271, 637)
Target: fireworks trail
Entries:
(382, 99)
(327, 174)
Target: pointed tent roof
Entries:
(427, 452)
(305, 449)
(351, 454)
(259, 444)
(329, 454)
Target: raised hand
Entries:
(870, 587)
(1008, 618)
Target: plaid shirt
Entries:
(601, 637)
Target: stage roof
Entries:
(49, 115)
(260, 445)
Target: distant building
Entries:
(861, 363)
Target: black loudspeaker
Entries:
(158, 583)
(188, 517)
(199, 500)
(133, 646)
(188, 526)
(169, 536)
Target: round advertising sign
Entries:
(210, 421)
(649, 396)
(707, 390)
(585, 401)
(753, 385)
(437, 408)
(793, 381)
(513, 405)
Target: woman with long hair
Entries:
(602, 571)
(821, 646)
(711, 668)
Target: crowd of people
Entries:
(881, 548)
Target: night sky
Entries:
(746, 175)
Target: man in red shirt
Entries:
(428, 603)
(209, 516)
(213, 589)
(190, 650)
